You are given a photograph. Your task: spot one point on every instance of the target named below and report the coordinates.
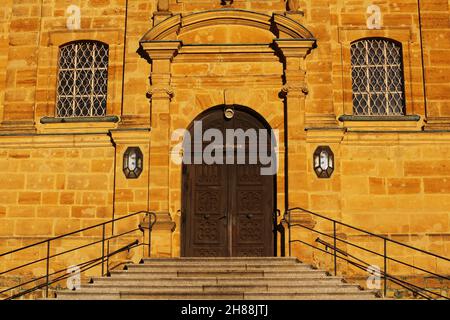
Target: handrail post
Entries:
(103, 250)
(282, 240)
(289, 227)
(47, 269)
(149, 235)
(335, 257)
(107, 259)
(385, 267)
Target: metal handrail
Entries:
(360, 266)
(98, 261)
(365, 231)
(345, 256)
(84, 266)
(365, 264)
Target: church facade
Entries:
(357, 94)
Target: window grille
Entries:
(82, 79)
(377, 78)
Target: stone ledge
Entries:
(47, 120)
(436, 124)
(344, 118)
(53, 125)
(56, 140)
(382, 123)
(324, 135)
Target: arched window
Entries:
(377, 77)
(82, 79)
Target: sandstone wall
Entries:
(391, 177)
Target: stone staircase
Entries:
(217, 279)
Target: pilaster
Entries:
(295, 89)
(160, 94)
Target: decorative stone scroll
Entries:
(162, 12)
(160, 92)
(163, 5)
(292, 5)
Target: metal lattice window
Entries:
(82, 79)
(377, 77)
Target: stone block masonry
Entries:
(391, 176)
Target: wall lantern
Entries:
(133, 162)
(323, 162)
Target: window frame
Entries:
(76, 71)
(387, 91)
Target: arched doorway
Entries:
(227, 208)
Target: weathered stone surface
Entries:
(245, 278)
(390, 177)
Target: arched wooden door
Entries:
(227, 208)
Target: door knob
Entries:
(206, 216)
(249, 216)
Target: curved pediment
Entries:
(227, 26)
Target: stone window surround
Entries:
(47, 122)
(412, 120)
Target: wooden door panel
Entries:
(209, 175)
(228, 208)
(206, 230)
(253, 212)
(249, 231)
(208, 252)
(251, 252)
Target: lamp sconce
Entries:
(133, 163)
(323, 162)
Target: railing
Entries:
(101, 261)
(385, 273)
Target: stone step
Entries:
(137, 281)
(222, 288)
(234, 267)
(139, 295)
(360, 295)
(221, 261)
(224, 272)
(248, 260)
(218, 279)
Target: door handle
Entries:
(206, 216)
(249, 216)
(224, 217)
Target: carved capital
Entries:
(296, 48)
(288, 88)
(160, 93)
(160, 50)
